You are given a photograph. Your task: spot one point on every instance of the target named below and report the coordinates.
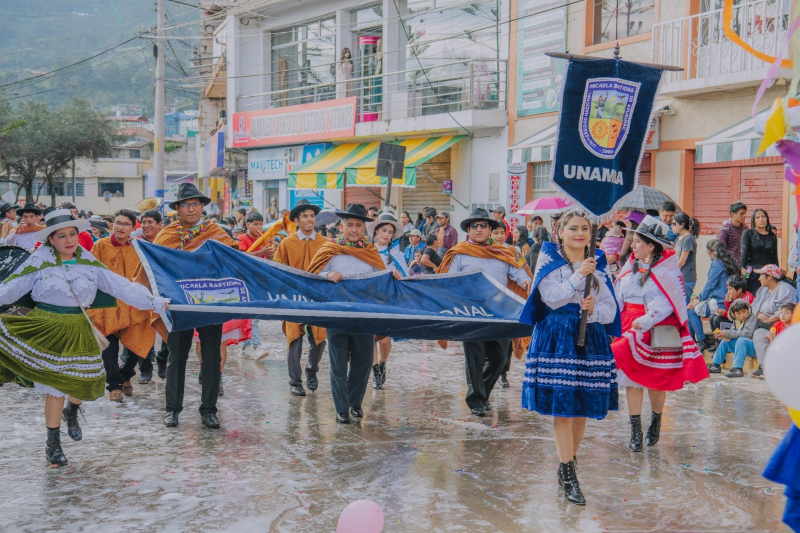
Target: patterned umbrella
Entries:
(543, 206)
(642, 198)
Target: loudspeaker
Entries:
(391, 160)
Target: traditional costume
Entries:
(180, 342)
(560, 378)
(8, 224)
(53, 347)
(485, 360)
(122, 324)
(349, 259)
(296, 251)
(24, 235)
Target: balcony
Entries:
(437, 97)
(710, 60)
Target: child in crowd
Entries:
(784, 322)
(737, 290)
(414, 266)
(737, 339)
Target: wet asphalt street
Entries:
(281, 463)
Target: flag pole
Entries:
(587, 291)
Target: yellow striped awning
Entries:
(327, 170)
(418, 151)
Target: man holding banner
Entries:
(485, 360)
(296, 251)
(349, 254)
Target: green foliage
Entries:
(172, 146)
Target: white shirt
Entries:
(397, 256)
(629, 289)
(23, 240)
(303, 237)
(498, 270)
(561, 287)
(347, 265)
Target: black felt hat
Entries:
(477, 215)
(354, 211)
(29, 208)
(5, 208)
(303, 205)
(187, 191)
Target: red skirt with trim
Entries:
(665, 370)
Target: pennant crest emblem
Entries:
(608, 105)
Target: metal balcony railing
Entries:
(698, 43)
(437, 88)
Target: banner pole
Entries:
(587, 291)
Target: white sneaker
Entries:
(260, 353)
(248, 353)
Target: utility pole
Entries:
(73, 180)
(158, 148)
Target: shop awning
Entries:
(535, 148)
(418, 151)
(740, 141)
(327, 170)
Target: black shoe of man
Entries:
(210, 420)
(297, 390)
(171, 419)
(343, 418)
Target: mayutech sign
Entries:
(318, 121)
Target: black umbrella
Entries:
(642, 198)
(326, 216)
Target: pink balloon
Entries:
(361, 516)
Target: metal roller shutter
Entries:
(366, 196)
(426, 193)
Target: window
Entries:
(108, 187)
(304, 63)
(63, 188)
(618, 19)
(541, 176)
(135, 153)
(368, 17)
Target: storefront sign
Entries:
(539, 77)
(516, 197)
(652, 139)
(276, 163)
(313, 197)
(447, 186)
(214, 153)
(226, 206)
(295, 124)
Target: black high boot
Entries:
(376, 375)
(574, 465)
(572, 489)
(55, 455)
(636, 433)
(654, 431)
(70, 416)
(382, 368)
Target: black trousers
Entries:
(716, 322)
(294, 354)
(145, 364)
(484, 364)
(349, 385)
(116, 375)
(179, 343)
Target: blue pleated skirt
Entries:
(561, 382)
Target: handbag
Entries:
(102, 341)
(664, 337)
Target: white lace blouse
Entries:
(561, 287)
(630, 290)
(49, 286)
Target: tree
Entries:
(45, 145)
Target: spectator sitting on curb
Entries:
(738, 339)
(737, 290)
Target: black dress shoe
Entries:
(162, 369)
(503, 381)
(210, 420)
(312, 383)
(171, 419)
(343, 418)
(478, 411)
(356, 412)
(487, 407)
(146, 377)
(297, 390)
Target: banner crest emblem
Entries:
(608, 105)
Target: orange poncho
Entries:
(502, 253)
(297, 253)
(130, 325)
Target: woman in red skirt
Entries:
(656, 350)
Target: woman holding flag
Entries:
(563, 380)
(385, 232)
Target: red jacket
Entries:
(85, 240)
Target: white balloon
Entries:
(782, 366)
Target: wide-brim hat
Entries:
(187, 191)
(354, 211)
(5, 208)
(386, 219)
(477, 215)
(655, 230)
(60, 218)
(30, 208)
(303, 205)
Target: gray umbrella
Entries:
(326, 217)
(642, 198)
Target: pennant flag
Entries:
(606, 109)
(774, 129)
(216, 283)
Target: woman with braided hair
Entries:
(563, 380)
(656, 350)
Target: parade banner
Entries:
(605, 113)
(216, 283)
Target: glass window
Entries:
(108, 187)
(541, 176)
(135, 153)
(368, 17)
(63, 188)
(618, 19)
(304, 63)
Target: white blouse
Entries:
(561, 287)
(630, 290)
(49, 286)
(397, 255)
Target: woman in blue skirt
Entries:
(563, 380)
